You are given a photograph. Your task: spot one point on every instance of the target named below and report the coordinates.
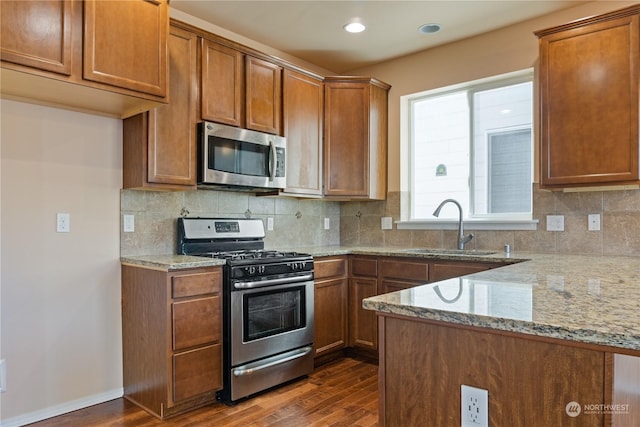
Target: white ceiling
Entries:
(312, 30)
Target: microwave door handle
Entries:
(272, 161)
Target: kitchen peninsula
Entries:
(538, 335)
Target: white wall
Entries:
(60, 292)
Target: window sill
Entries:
(469, 224)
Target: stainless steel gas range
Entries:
(267, 304)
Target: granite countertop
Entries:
(587, 299)
(170, 262)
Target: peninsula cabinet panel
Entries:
(529, 382)
(222, 89)
(589, 77)
(159, 146)
(302, 122)
(355, 138)
(51, 20)
(330, 304)
(171, 334)
(125, 44)
(263, 95)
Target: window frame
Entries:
(508, 221)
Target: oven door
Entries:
(270, 320)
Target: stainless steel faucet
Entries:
(462, 239)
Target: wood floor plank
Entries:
(341, 393)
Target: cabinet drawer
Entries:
(196, 322)
(196, 372)
(364, 267)
(330, 267)
(412, 270)
(197, 284)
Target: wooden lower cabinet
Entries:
(172, 338)
(363, 283)
(530, 382)
(330, 300)
(442, 270)
(342, 282)
(397, 274)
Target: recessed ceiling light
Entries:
(429, 28)
(354, 27)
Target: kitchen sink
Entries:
(461, 252)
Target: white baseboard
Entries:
(62, 408)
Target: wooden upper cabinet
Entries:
(37, 34)
(302, 117)
(160, 146)
(102, 57)
(589, 77)
(263, 96)
(355, 138)
(125, 44)
(240, 90)
(222, 85)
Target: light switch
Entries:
(63, 223)
(594, 222)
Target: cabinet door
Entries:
(263, 98)
(589, 104)
(222, 84)
(196, 322)
(330, 300)
(37, 34)
(303, 109)
(172, 145)
(363, 331)
(197, 372)
(346, 127)
(125, 44)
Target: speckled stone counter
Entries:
(594, 300)
(170, 262)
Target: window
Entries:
(472, 143)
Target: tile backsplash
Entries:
(297, 222)
(300, 222)
(619, 221)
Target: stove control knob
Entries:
(252, 270)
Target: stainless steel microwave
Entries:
(232, 157)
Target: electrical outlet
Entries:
(327, 223)
(555, 222)
(3, 376)
(63, 223)
(386, 223)
(129, 223)
(269, 223)
(474, 406)
(594, 222)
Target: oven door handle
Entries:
(272, 282)
(249, 369)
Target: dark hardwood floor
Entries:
(341, 393)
